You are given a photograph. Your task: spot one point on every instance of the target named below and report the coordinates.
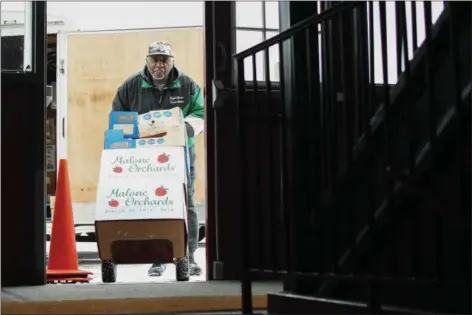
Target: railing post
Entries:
(240, 117)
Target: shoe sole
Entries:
(198, 273)
(155, 274)
(194, 274)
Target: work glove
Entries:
(190, 131)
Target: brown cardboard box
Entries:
(137, 231)
(51, 158)
(51, 183)
(50, 131)
(152, 239)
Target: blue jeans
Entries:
(192, 218)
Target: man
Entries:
(161, 85)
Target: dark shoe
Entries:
(194, 269)
(156, 270)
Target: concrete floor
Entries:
(88, 261)
(134, 292)
(61, 292)
(133, 298)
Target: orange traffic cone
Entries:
(63, 264)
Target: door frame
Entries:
(61, 95)
(220, 37)
(223, 233)
(26, 267)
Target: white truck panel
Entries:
(99, 16)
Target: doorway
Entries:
(90, 82)
(69, 133)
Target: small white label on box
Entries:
(127, 128)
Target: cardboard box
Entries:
(51, 183)
(141, 213)
(175, 137)
(157, 163)
(140, 199)
(50, 131)
(146, 125)
(126, 121)
(161, 121)
(114, 139)
(52, 204)
(110, 233)
(51, 158)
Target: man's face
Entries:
(159, 66)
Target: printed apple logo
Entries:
(118, 169)
(113, 203)
(161, 191)
(163, 158)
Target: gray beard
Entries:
(161, 84)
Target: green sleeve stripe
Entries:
(195, 106)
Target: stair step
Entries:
(286, 303)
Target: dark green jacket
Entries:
(137, 94)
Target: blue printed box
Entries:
(126, 121)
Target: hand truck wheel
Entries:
(109, 271)
(182, 272)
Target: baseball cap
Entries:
(160, 49)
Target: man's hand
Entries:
(190, 130)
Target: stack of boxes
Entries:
(141, 194)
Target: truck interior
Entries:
(85, 230)
(340, 187)
(51, 123)
(11, 59)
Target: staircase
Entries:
(408, 180)
(369, 209)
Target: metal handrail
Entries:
(282, 36)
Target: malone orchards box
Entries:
(140, 199)
(159, 164)
(140, 210)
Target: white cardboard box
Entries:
(160, 121)
(174, 137)
(140, 199)
(158, 163)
